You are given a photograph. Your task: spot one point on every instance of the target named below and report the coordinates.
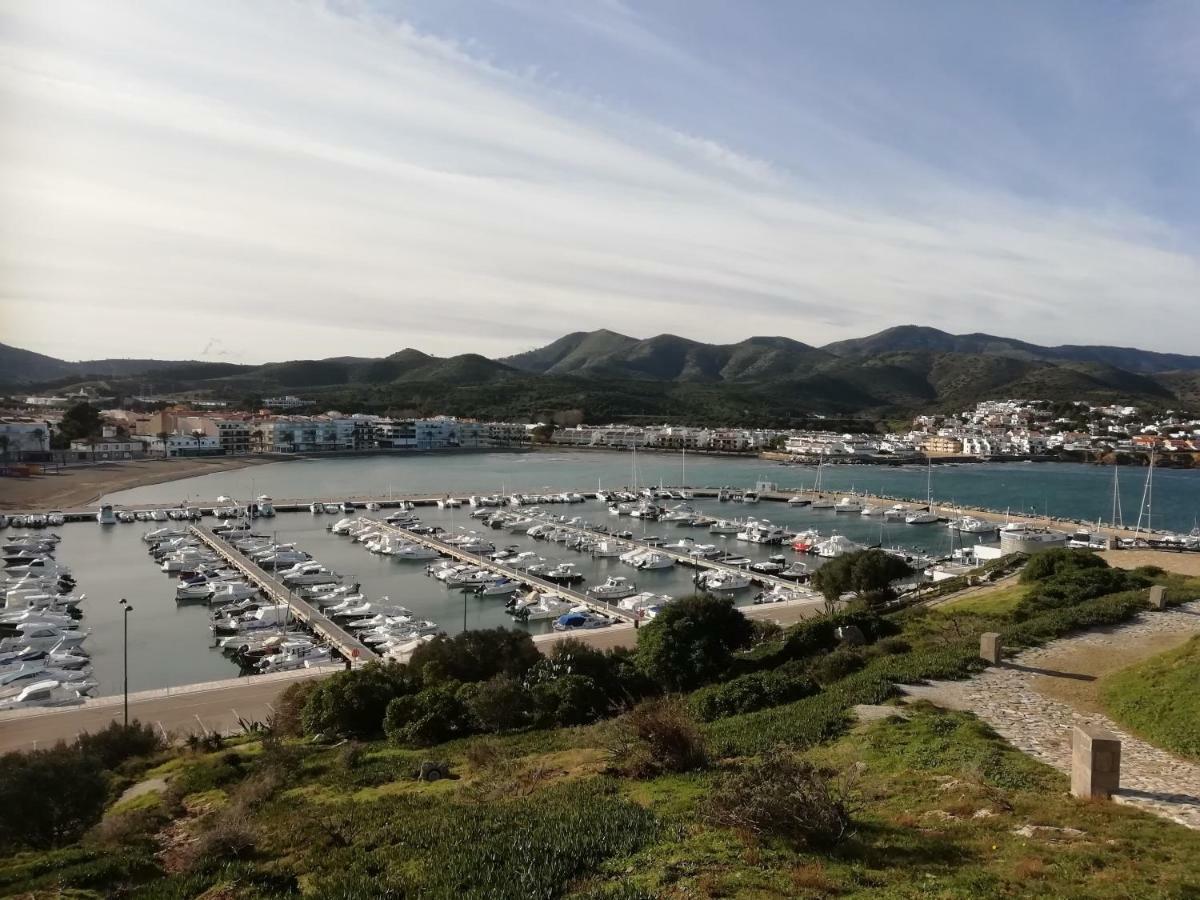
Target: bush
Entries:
(224, 840)
(836, 665)
(434, 715)
(1055, 562)
(1070, 587)
(567, 700)
(472, 656)
(288, 717)
(49, 797)
(353, 703)
(781, 796)
(499, 704)
(691, 642)
(866, 573)
(810, 637)
(656, 737)
(117, 742)
(755, 690)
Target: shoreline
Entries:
(84, 485)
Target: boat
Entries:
(537, 607)
(316, 508)
(563, 573)
(896, 513)
(806, 541)
(724, 581)
(43, 637)
(500, 588)
(837, 545)
(295, 655)
(106, 516)
(578, 620)
(797, 571)
(797, 500)
(615, 587)
(926, 516)
(849, 504)
(265, 506)
(43, 693)
(972, 525)
(776, 594)
(643, 602)
(724, 526)
(414, 551)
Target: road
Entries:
(217, 706)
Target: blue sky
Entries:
(287, 179)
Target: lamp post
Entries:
(128, 607)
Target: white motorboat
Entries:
(449, 503)
(106, 516)
(295, 655)
(654, 560)
(158, 535)
(822, 503)
(563, 573)
(28, 672)
(502, 588)
(797, 500)
(837, 545)
(316, 508)
(43, 693)
(616, 587)
(232, 591)
(973, 525)
(158, 515)
(641, 603)
(724, 581)
(537, 607)
(333, 508)
(10, 620)
(414, 551)
(579, 620)
(873, 511)
(921, 517)
(43, 637)
(777, 594)
(849, 504)
(724, 526)
(896, 513)
(263, 617)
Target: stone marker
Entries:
(850, 634)
(1158, 597)
(990, 648)
(1095, 762)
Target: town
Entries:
(44, 429)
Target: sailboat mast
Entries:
(1117, 518)
(1147, 493)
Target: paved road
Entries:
(217, 706)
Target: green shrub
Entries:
(288, 718)
(567, 700)
(755, 690)
(353, 703)
(432, 716)
(836, 665)
(477, 655)
(1058, 561)
(500, 704)
(49, 797)
(117, 742)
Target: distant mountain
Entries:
(917, 337)
(604, 375)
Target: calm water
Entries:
(170, 644)
(1059, 489)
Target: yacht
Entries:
(654, 560)
(502, 587)
(43, 637)
(837, 545)
(266, 507)
(822, 503)
(563, 573)
(873, 511)
(578, 620)
(536, 607)
(19, 676)
(806, 541)
(724, 526)
(972, 525)
(849, 504)
(43, 693)
(449, 503)
(523, 561)
(158, 515)
(316, 508)
(896, 513)
(921, 517)
(644, 602)
(309, 573)
(348, 507)
(106, 516)
(777, 594)
(797, 500)
(263, 617)
(414, 551)
(295, 655)
(724, 581)
(615, 587)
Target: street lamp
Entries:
(128, 607)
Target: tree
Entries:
(80, 422)
(163, 436)
(4, 442)
(39, 434)
(691, 642)
(543, 433)
(475, 656)
(865, 572)
(197, 434)
(498, 704)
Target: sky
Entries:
(289, 179)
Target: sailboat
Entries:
(1147, 506)
(925, 516)
(820, 502)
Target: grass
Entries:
(995, 602)
(1158, 699)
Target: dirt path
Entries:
(84, 485)
(1180, 563)
(1035, 699)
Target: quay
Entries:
(532, 581)
(344, 642)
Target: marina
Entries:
(171, 643)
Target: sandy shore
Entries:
(84, 485)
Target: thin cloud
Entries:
(298, 179)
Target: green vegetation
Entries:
(576, 775)
(868, 574)
(1158, 699)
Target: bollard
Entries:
(1158, 597)
(990, 648)
(1095, 762)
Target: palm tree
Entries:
(162, 436)
(40, 436)
(4, 442)
(197, 434)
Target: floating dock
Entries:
(340, 639)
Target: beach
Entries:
(83, 485)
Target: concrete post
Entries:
(1158, 597)
(990, 648)
(1095, 762)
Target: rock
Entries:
(433, 771)
(851, 634)
(1049, 832)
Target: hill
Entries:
(606, 376)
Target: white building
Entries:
(24, 436)
(185, 445)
